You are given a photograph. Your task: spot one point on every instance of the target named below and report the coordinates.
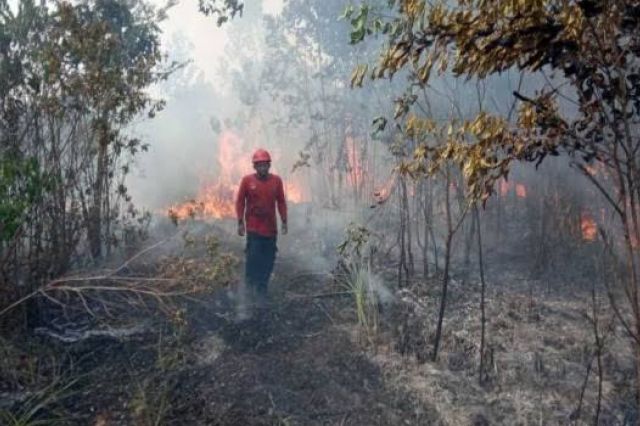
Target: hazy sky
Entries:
(208, 40)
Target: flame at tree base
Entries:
(216, 199)
(588, 227)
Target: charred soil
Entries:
(305, 360)
(295, 363)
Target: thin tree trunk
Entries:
(467, 249)
(432, 232)
(598, 342)
(483, 286)
(409, 267)
(542, 247)
(427, 224)
(402, 265)
(445, 277)
(499, 208)
(96, 212)
(443, 298)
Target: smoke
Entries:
(263, 85)
(376, 284)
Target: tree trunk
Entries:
(467, 248)
(406, 212)
(426, 199)
(483, 286)
(443, 298)
(445, 277)
(95, 219)
(402, 264)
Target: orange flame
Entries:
(588, 227)
(294, 192)
(504, 187)
(592, 170)
(216, 199)
(381, 195)
(356, 174)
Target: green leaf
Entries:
(346, 14)
(359, 25)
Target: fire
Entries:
(356, 174)
(216, 198)
(382, 194)
(354, 156)
(504, 187)
(294, 192)
(592, 170)
(588, 227)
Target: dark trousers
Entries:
(260, 257)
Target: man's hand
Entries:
(285, 229)
(241, 229)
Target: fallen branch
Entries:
(318, 295)
(139, 286)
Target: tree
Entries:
(73, 77)
(306, 65)
(223, 10)
(588, 109)
(115, 52)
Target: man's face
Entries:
(262, 168)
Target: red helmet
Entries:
(260, 155)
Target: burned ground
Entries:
(306, 361)
(295, 364)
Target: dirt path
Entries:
(296, 364)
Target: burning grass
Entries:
(215, 198)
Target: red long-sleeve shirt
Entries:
(256, 201)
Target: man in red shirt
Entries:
(258, 195)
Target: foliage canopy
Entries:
(590, 51)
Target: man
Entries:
(258, 195)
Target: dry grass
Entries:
(537, 357)
(37, 386)
(148, 290)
